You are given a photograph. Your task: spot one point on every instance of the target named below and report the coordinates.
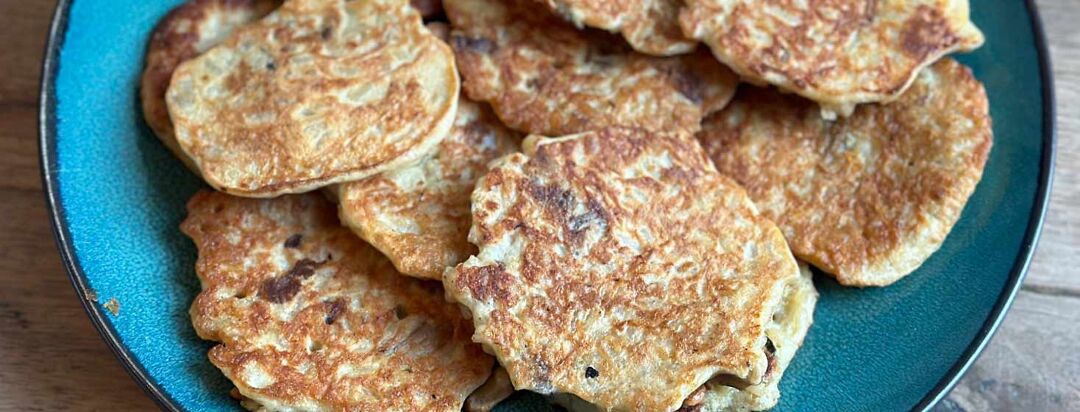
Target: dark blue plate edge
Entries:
(1034, 229)
(48, 159)
(47, 149)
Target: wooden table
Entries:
(51, 358)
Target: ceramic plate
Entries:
(117, 197)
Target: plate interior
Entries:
(122, 196)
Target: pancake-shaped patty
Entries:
(185, 32)
(419, 216)
(308, 317)
(836, 52)
(650, 26)
(544, 76)
(619, 267)
(870, 197)
(318, 92)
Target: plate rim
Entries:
(1031, 235)
(48, 166)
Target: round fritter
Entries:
(419, 216)
(185, 32)
(618, 266)
(650, 26)
(870, 197)
(836, 52)
(542, 75)
(317, 92)
(310, 318)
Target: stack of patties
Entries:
(636, 252)
(552, 315)
(310, 318)
(542, 75)
(867, 198)
(867, 164)
(315, 93)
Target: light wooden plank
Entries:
(1058, 257)
(1032, 364)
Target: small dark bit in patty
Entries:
(334, 309)
(590, 372)
(293, 241)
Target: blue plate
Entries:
(117, 196)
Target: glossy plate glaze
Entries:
(117, 197)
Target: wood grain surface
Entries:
(51, 359)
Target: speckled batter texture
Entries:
(542, 75)
(318, 92)
(837, 52)
(310, 318)
(419, 216)
(619, 267)
(184, 33)
(870, 197)
(650, 26)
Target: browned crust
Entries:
(615, 248)
(179, 36)
(649, 26)
(419, 216)
(542, 75)
(325, 320)
(836, 52)
(870, 197)
(303, 135)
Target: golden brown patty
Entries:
(836, 52)
(318, 92)
(615, 260)
(310, 318)
(542, 75)
(419, 216)
(185, 32)
(870, 197)
(650, 26)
